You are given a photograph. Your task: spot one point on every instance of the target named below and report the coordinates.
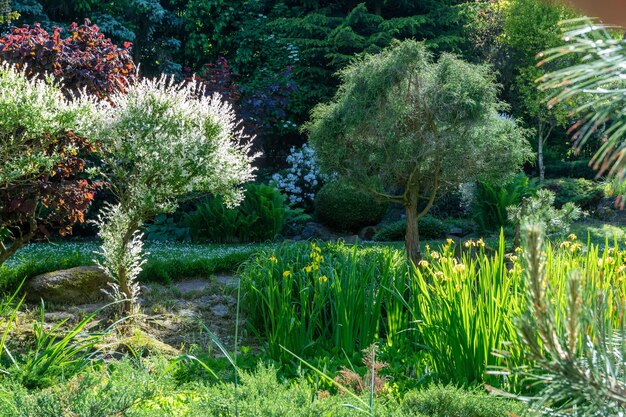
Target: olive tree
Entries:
(407, 128)
(159, 141)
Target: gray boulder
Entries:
(80, 285)
(313, 230)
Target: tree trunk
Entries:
(540, 166)
(127, 307)
(412, 238)
(7, 251)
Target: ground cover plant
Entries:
(165, 262)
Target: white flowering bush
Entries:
(160, 141)
(303, 178)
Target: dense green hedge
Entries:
(345, 208)
(429, 228)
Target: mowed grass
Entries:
(166, 262)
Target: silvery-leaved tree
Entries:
(159, 141)
(401, 121)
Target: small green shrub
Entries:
(580, 191)
(165, 229)
(429, 228)
(261, 393)
(343, 207)
(260, 217)
(450, 401)
(540, 209)
(491, 202)
(391, 232)
(120, 388)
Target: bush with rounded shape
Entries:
(346, 208)
(430, 228)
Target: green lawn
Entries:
(166, 262)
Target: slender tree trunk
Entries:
(7, 251)
(540, 166)
(127, 307)
(412, 238)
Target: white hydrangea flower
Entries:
(302, 179)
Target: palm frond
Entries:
(599, 77)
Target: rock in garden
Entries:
(80, 285)
(368, 233)
(219, 310)
(313, 230)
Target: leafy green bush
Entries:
(429, 228)
(165, 229)
(260, 217)
(391, 232)
(448, 401)
(580, 191)
(346, 208)
(540, 209)
(491, 202)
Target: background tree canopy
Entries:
(276, 59)
(261, 40)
